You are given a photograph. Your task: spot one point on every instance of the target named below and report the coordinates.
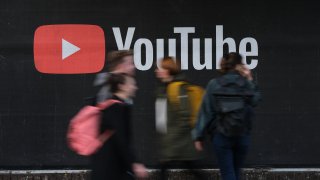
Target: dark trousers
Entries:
(107, 164)
(230, 153)
(189, 165)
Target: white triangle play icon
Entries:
(68, 49)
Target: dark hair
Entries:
(229, 61)
(170, 64)
(115, 80)
(115, 58)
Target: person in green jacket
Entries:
(173, 119)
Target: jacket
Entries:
(207, 114)
(175, 143)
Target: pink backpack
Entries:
(83, 134)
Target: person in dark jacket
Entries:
(116, 157)
(173, 120)
(230, 146)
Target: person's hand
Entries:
(244, 71)
(198, 145)
(139, 170)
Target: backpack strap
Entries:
(103, 137)
(173, 91)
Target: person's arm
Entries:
(206, 113)
(245, 72)
(256, 93)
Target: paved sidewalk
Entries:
(176, 174)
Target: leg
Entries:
(163, 170)
(105, 167)
(190, 165)
(224, 154)
(240, 153)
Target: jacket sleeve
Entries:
(256, 93)
(206, 113)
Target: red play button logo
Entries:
(69, 49)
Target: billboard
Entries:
(280, 43)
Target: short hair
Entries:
(114, 58)
(115, 80)
(171, 64)
(229, 61)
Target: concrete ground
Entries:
(176, 174)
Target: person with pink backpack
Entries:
(104, 133)
(115, 157)
(102, 129)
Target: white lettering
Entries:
(172, 47)
(219, 45)
(207, 54)
(184, 31)
(197, 52)
(160, 51)
(137, 54)
(254, 51)
(118, 37)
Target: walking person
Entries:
(120, 61)
(226, 113)
(116, 157)
(173, 119)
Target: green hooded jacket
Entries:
(176, 143)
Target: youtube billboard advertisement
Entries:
(51, 52)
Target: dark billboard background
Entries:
(35, 108)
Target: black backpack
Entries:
(232, 106)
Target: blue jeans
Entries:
(230, 153)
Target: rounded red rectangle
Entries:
(69, 49)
